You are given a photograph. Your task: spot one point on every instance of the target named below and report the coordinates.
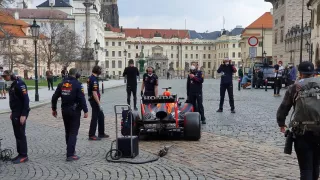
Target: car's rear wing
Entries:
(159, 99)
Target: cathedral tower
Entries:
(109, 12)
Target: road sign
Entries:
(252, 52)
(253, 41)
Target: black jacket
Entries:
(227, 71)
(194, 85)
(19, 98)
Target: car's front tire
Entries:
(192, 126)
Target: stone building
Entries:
(314, 6)
(109, 12)
(286, 14)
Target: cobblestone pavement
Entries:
(245, 145)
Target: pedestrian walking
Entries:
(49, 76)
(72, 103)
(278, 78)
(131, 73)
(149, 83)
(304, 129)
(19, 105)
(194, 90)
(227, 70)
(97, 110)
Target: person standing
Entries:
(97, 110)
(240, 74)
(64, 73)
(19, 105)
(304, 126)
(149, 83)
(317, 71)
(49, 76)
(278, 78)
(194, 90)
(293, 74)
(227, 70)
(131, 73)
(72, 102)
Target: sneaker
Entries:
(20, 159)
(94, 138)
(73, 158)
(220, 110)
(15, 158)
(103, 136)
(233, 111)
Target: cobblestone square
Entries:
(245, 145)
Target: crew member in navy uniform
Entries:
(19, 105)
(131, 74)
(227, 70)
(97, 110)
(149, 83)
(194, 90)
(72, 102)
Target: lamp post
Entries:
(35, 34)
(125, 63)
(302, 28)
(265, 57)
(309, 50)
(96, 48)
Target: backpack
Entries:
(307, 106)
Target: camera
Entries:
(289, 142)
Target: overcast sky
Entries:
(200, 15)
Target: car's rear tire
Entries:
(192, 126)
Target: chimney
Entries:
(16, 15)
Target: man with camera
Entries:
(304, 129)
(227, 70)
(194, 90)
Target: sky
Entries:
(199, 15)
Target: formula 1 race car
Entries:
(166, 114)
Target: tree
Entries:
(6, 3)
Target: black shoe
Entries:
(73, 158)
(103, 136)
(233, 111)
(94, 138)
(220, 110)
(204, 122)
(20, 159)
(135, 108)
(13, 159)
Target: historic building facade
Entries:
(314, 6)
(286, 14)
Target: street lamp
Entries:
(96, 47)
(265, 57)
(35, 34)
(308, 49)
(125, 63)
(302, 28)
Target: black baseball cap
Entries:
(6, 73)
(306, 67)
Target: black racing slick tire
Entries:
(192, 126)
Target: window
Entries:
(191, 56)
(239, 54)
(107, 64)
(209, 48)
(204, 56)
(177, 64)
(107, 43)
(234, 45)
(209, 65)
(283, 1)
(137, 55)
(113, 54)
(129, 55)
(215, 56)
(204, 48)
(119, 64)
(107, 53)
(186, 55)
(233, 54)
(177, 56)
(227, 45)
(119, 73)
(113, 44)
(276, 5)
(281, 35)
(142, 47)
(119, 43)
(113, 64)
(15, 41)
(276, 22)
(113, 73)
(191, 47)
(171, 55)
(171, 47)
(137, 47)
(239, 45)
(204, 65)
(209, 56)
(129, 46)
(119, 53)
(282, 18)
(260, 44)
(24, 42)
(197, 56)
(276, 37)
(196, 47)
(186, 47)
(178, 47)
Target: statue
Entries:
(141, 65)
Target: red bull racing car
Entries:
(167, 114)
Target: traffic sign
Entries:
(253, 41)
(252, 52)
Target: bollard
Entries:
(239, 83)
(102, 87)
(266, 84)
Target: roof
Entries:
(266, 20)
(38, 13)
(11, 26)
(58, 3)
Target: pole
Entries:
(262, 43)
(301, 43)
(36, 70)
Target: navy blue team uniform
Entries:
(150, 81)
(19, 105)
(97, 113)
(72, 102)
(194, 92)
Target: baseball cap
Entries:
(306, 67)
(6, 73)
